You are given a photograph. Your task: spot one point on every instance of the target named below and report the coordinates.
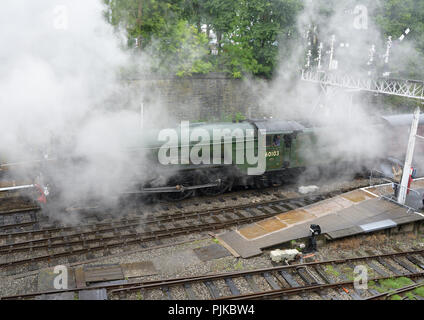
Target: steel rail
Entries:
(396, 291)
(177, 216)
(117, 288)
(20, 246)
(135, 238)
(252, 272)
(288, 291)
(15, 211)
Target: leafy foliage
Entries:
(250, 36)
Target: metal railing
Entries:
(392, 198)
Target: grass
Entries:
(410, 295)
(389, 284)
(139, 296)
(419, 291)
(349, 273)
(239, 265)
(224, 264)
(332, 271)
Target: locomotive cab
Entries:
(281, 143)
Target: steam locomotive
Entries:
(215, 165)
(291, 148)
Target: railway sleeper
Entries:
(239, 214)
(189, 291)
(253, 286)
(355, 294)
(167, 293)
(404, 264)
(251, 212)
(289, 279)
(415, 261)
(9, 240)
(233, 288)
(322, 274)
(370, 290)
(271, 282)
(89, 255)
(377, 269)
(389, 266)
(213, 290)
(289, 206)
(264, 210)
(305, 275)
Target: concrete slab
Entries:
(323, 208)
(338, 217)
(236, 244)
(46, 279)
(79, 277)
(213, 251)
(345, 203)
(94, 294)
(344, 232)
(252, 231)
(138, 269)
(378, 225)
(103, 273)
(271, 225)
(357, 196)
(295, 216)
(57, 296)
(177, 262)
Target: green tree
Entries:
(394, 17)
(181, 51)
(260, 29)
(159, 27)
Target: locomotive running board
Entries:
(180, 188)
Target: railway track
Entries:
(13, 219)
(22, 214)
(58, 242)
(311, 280)
(404, 293)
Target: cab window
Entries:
(268, 140)
(273, 140)
(288, 140)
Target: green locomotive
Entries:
(221, 160)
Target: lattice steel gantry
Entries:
(398, 87)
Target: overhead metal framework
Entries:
(398, 87)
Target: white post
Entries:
(141, 115)
(330, 64)
(408, 158)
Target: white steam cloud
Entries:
(60, 83)
(350, 133)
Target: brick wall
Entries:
(211, 97)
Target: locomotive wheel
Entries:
(261, 182)
(179, 181)
(211, 177)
